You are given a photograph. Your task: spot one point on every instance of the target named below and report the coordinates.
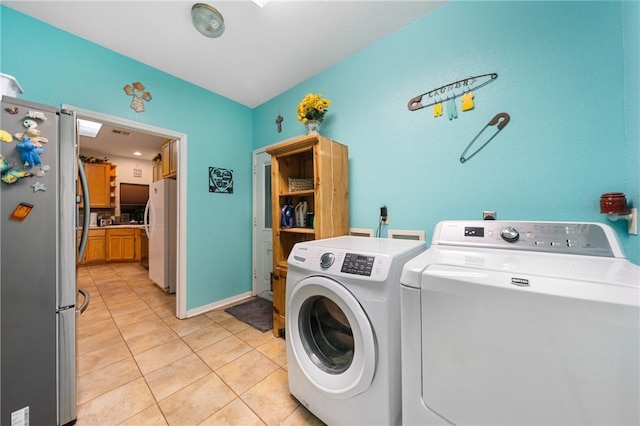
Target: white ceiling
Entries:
(263, 52)
(121, 142)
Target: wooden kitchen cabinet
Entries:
(137, 245)
(96, 247)
(156, 174)
(112, 186)
(101, 180)
(169, 158)
(326, 163)
(121, 244)
(112, 244)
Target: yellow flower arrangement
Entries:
(313, 107)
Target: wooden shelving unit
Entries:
(326, 162)
(112, 186)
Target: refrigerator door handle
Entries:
(147, 217)
(85, 303)
(87, 210)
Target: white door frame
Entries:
(181, 249)
(256, 247)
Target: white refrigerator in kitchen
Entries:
(160, 224)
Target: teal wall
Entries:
(631, 16)
(561, 78)
(568, 72)
(54, 67)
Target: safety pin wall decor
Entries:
(495, 120)
(451, 90)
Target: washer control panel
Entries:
(592, 239)
(326, 260)
(357, 264)
(367, 266)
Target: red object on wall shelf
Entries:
(613, 203)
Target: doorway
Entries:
(181, 138)
(262, 216)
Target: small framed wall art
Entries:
(220, 180)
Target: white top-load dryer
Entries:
(343, 327)
(521, 323)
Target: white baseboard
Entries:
(219, 304)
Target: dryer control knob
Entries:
(326, 260)
(510, 234)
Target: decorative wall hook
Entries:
(137, 91)
(495, 120)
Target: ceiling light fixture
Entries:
(207, 20)
(88, 128)
(137, 153)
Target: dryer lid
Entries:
(588, 269)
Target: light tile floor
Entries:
(137, 364)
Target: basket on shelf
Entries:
(300, 184)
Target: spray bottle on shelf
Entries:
(301, 214)
(287, 216)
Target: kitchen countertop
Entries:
(122, 225)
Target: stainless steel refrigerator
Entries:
(38, 292)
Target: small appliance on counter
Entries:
(106, 221)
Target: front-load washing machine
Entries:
(521, 323)
(343, 327)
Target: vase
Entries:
(313, 127)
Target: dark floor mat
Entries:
(258, 313)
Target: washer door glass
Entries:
(330, 337)
(326, 334)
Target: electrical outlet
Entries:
(384, 215)
(489, 215)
